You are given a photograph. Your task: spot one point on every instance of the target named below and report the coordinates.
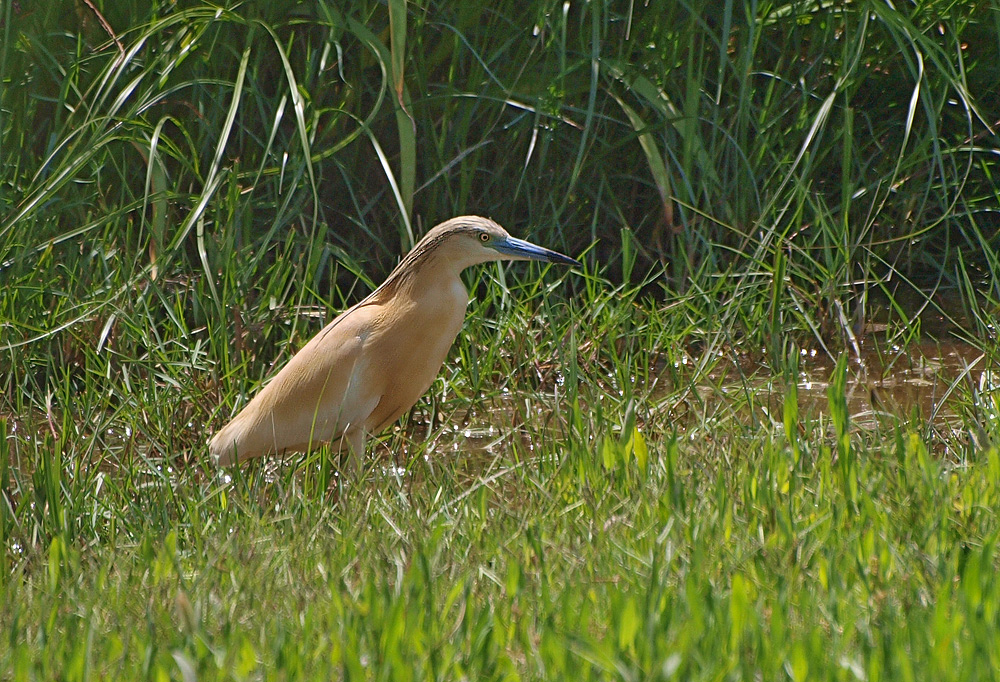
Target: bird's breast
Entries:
(411, 342)
(422, 331)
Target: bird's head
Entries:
(468, 240)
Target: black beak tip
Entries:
(564, 260)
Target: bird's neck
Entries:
(421, 277)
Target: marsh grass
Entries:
(190, 192)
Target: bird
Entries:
(374, 361)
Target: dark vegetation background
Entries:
(715, 134)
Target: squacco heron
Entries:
(372, 363)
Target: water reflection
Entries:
(926, 382)
(938, 383)
(932, 382)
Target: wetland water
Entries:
(939, 386)
(930, 382)
(930, 385)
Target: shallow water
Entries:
(931, 383)
(935, 384)
(927, 382)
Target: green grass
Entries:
(615, 475)
(645, 555)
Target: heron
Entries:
(374, 361)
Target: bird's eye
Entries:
(484, 237)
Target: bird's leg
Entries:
(352, 453)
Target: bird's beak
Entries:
(518, 249)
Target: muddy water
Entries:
(929, 382)
(932, 384)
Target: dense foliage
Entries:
(856, 127)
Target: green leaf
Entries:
(637, 446)
(405, 123)
(628, 626)
(57, 552)
(609, 454)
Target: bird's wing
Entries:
(315, 397)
